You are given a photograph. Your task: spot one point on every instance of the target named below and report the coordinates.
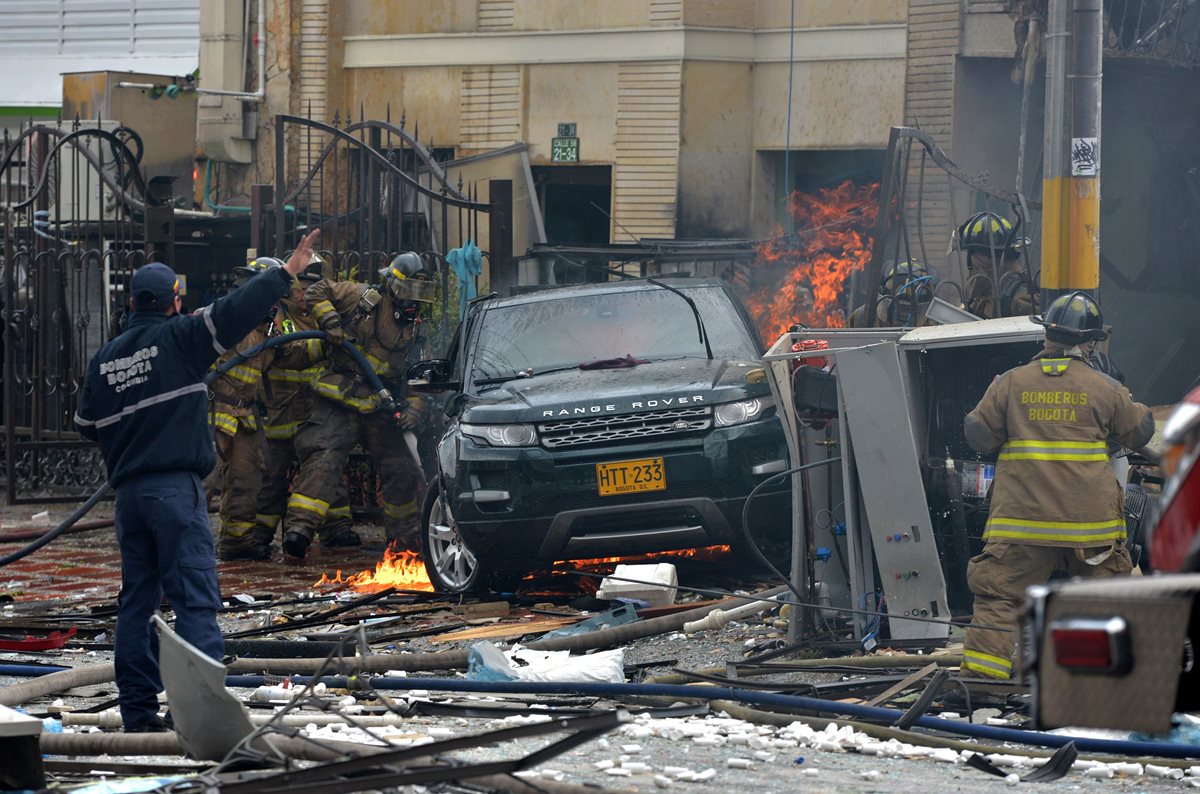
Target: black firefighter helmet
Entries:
(1073, 319)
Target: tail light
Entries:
(1092, 645)
(1179, 507)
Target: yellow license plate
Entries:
(630, 476)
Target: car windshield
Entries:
(648, 324)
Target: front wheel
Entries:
(451, 565)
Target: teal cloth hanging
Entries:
(467, 263)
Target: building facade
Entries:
(678, 107)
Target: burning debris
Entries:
(400, 569)
(801, 277)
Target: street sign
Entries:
(564, 150)
(566, 130)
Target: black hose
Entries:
(372, 377)
(79, 513)
(746, 527)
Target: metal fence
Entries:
(1167, 30)
(73, 211)
(374, 191)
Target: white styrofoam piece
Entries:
(653, 583)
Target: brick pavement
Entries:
(86, 567)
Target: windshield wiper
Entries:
(602, 363)
(692, 305)
(521, 374)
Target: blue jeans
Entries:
(166, 544)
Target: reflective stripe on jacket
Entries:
(383, 336)
(291, 375)
(1051, 420)
(236, 391)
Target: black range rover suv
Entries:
(598, 420)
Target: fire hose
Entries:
(371, 376)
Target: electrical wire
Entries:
(762, 558)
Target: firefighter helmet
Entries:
(1072, 319)
(906, 290)
(904, 277)
(406, 279)
(987, 232)
(244, 273)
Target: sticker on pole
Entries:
(1085, 156)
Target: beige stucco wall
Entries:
(579, 14)
(829, 13)
(835, 104)
(379, 17)
(582, 93)
(428, 97)
(719, 13)
(715, 155)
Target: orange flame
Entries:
(554, 581)
(805, 273)
(704, 554)
(403, 570)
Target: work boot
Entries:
(295, 546)
(153, 725)
(264, 536)
(404, 539)
(342, 539)
(243, 552)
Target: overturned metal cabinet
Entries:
(877, 520)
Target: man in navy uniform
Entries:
(144, 401)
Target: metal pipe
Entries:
(259, 94)
(58, 681)
(90, 744)
(111, 718)
(1056, 162)
(1086, 75)
(1071, 181)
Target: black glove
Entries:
(334, 335)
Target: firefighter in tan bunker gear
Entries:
(289, 402)
(237, 432)
(383, 323)
(1055, 503)
(993, 251)
(905, 292)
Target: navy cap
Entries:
(154, 286)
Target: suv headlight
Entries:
(502, 435)
(742, 411)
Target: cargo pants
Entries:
(273, 498)
(166, 547)
(323, 444)
(240, 472)
(998, 577)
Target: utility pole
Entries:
(1071, 179)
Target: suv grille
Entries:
(605, 429)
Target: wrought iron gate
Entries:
(374, 191)
(73, 204)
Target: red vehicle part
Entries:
(806, 345)
(1174, 543)
(55, 639)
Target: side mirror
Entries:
(432, 376)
